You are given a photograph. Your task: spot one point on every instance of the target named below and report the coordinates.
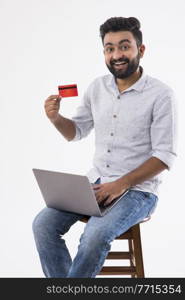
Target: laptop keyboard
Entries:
(101, 205)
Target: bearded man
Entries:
(134, 119)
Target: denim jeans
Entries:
(50, 226)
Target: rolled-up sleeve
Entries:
(164, 129)
(83, 118)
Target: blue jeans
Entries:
(50, 226)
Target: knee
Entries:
(41, 221)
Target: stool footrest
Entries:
(119, 255)
(125, 236)
(118, 271)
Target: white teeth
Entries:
(120, 63)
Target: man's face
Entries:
(122, 55)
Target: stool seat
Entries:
(134, 253)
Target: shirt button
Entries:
(107, 166)
(118, 97)
(112, 134)
(114, 116)
(108, 150)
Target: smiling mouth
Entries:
(119, 65)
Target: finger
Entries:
(99, 193)
(48, 111)
(51, 101)
(52, 105)
(101, 196)
(108, 201)
(53, 97)
(97, 186)
(51, 109)
(98, 197)
(59, 98)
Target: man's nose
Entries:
(117, 54)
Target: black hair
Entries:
(122, 24)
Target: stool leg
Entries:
(131, 251)
(138, 251)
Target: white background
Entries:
(45, 43)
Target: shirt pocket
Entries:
(137, 128)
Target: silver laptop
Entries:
(70, 192)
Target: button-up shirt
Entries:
(130, 127)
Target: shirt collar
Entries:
(137, 86)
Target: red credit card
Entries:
(68, 90)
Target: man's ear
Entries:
(142, 50)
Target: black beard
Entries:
(131, 67)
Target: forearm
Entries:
(147, 170)
(65, 126)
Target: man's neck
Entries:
(124, 84)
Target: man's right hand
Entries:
(52, 106)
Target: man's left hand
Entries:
(108, 191)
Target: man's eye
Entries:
(109, 50)
(123, 47)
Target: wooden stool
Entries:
(134, 255)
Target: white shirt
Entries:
(130, 127)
